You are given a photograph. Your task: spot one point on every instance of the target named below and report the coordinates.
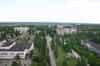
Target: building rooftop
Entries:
(16, 47)
(97, 46)
(8, 43)
(67, 27)
(92, 43)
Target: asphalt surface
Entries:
(51, 54)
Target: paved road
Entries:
(51, 54)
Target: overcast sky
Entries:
(50, 10)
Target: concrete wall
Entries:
(11, 54)
(8, 47)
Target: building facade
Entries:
(91, 46)
(21, 29)
(10, 49)
(61, 30)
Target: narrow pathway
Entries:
(51, 54)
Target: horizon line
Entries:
(55, 22)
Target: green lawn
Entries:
(72, 62)
(61, 56)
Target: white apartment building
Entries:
(61, 30)
(21, 29)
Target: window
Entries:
(3, 53)
(21, 53)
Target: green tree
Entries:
(15, 64)
(82, 62)
(18, 60)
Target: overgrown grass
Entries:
(61, 56)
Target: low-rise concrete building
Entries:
(9, 49)
(75, 54)
(21, 29)
(92, 46)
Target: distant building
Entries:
(21, 29)
(75, 54)
(92, 46)
(61, 30)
